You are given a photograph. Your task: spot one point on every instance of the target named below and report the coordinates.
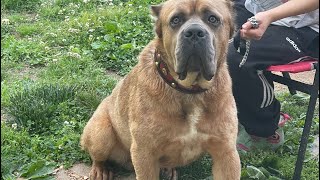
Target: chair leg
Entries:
(304, 138)
(287, 75)
(307, 126)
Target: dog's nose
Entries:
(194, 32)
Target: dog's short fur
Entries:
(152, 125)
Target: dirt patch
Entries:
(114, 75)
(27, 72)
(315, 148)
(81, 172)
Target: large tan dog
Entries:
(176, 103)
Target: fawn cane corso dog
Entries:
(176, 103)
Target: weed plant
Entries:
(34, 108)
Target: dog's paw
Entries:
(99, 172)
(169, 174)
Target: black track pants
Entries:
(258, 109)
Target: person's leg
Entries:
(258, 110)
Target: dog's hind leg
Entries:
(98, 139)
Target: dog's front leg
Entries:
(226, 164)
(145, 166)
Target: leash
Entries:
(242, 46)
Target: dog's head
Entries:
(194, 34)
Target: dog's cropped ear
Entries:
(230, 4)
(155, 11)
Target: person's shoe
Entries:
(247, 142)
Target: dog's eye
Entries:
(213, 20)
(175, 20)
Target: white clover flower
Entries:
(14, 126)
(72, 30)
(75, 55)
(90, 37)
(5, 21)
(86, 1)
(91, 30)
(66, 123)
(53, 34)
(64, 40)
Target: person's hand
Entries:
(264, 20)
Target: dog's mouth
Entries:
(195, 64)
(198, 60)
(195, 54)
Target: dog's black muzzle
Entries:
(195, 52)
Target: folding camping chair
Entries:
(293, 85)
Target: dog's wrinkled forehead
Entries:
(186, 10)
(189, 8)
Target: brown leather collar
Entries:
(164, 72)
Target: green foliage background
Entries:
(59, 59)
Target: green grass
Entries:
(54, 58)
(20, 5)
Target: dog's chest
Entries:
(189, 143)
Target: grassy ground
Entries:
(55, 59)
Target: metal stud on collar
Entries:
(164, 71)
